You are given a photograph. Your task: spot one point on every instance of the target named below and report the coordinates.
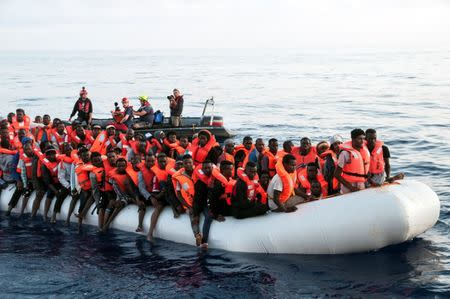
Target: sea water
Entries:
(286, 94)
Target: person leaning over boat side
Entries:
(353, 163)
(330, 158)
(176, 103)
(83, 106)
(8, 163)
(380, 168)
(124, 189)
(24, 184)
(145, 112)
(282, 191)
(149, 191)
(248, 198)
(101, 197)
(270, 158)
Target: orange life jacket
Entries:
(108, 168)
(148, 175)
(82, 171)
(133, 174)
(100, 177)
(187, 186)
(60, 139)
(377, 159)
(302, 177)
(126, 144)
(41, 132)
(302, 160)
(88, 139)
(120, 179)
(281, 154)
(272, 162)
(8, 151)
(25, 124)
(253, 187)
(229, 157)
(199, 154)
(356, 170)
(161, 174)
(227, 184)
(200, 175)
(288, 180)
(52, 167)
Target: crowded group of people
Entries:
(106, 169)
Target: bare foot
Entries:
(220, 218)
(149, 238)
(204, 246)
(139, 229)
(399, 176)
(198, 239)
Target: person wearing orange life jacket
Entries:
(24, 184)
(65, 177)
(321, 147)
(105, 141)
(353, 163)
(126, 142)
(17, 142)
(202, 178)
(283, 191)
(150, 194)
(49, 169)
(96, 130)
(310, 174)
(59, 136)
(228, 152)
(21, 121)
(305, 154)
(270, 158)
(81, 136)
(242, 151)
(380, 167)
(203, 147)
(256, 154)
(170, 142)
(139, 148)
(42, 134)
(219, 194)
(330, 158)
(288, 145)
(184, 147)
(248, 198)
(100, 196)
(124, 189)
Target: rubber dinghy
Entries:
(358, 222)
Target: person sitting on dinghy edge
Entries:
(248, 198)
(145, 113)
(283, 191)
(353, 163)
(380, 167)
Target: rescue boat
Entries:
(363, 221)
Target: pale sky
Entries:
(133, 24)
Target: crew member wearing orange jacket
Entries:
(353, 163)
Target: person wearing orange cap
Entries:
(83, 106)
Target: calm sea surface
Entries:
(265, 93)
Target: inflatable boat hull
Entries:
(358, 222)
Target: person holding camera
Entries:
(176, 107)
(123, 120)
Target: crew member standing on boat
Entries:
(353, 163)
(83, 106)
(176, 107)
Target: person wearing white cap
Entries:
(331, 158)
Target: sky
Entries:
(180, 24)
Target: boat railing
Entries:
(209, 102)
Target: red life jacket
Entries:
(333, 155)
(52, 167)
(83, 105)
(253, 187)
(377, 159)
(302, 177)
(60, 139)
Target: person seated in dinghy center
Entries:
(231, 185)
